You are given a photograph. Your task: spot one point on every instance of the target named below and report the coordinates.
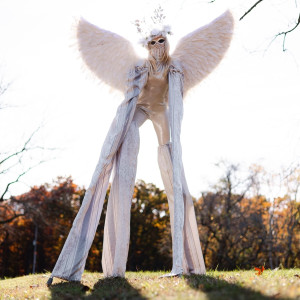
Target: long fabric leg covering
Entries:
(117, 222)
(71, 262)
(192, 259)
(175, 118)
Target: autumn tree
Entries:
(231, 223)
(16, 161)
(238, 225)
(286, 221)
(150, 225)
(50, 209)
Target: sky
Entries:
(245, 112)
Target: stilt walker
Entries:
(154, 89)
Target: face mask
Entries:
(157, 48)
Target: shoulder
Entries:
(175, 66)
(139, 67)
(142, 64)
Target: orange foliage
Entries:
(259, 270)
(235, 230)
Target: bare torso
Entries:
(153, 103)
(153, 97)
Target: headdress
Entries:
(152, 28)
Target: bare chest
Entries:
(155, 91)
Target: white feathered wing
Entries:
(108, 55)
(201, 51)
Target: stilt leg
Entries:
(49, 282)
(117, 222)
(193, 259)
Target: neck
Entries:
(158, 65)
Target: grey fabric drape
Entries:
(71, 262)
(175, 118)
(117, 221)
(192, 254)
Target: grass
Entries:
(215, 285)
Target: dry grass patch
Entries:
(278, 284)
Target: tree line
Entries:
(239, 227)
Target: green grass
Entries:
(215, 285)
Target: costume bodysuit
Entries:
(152, 104)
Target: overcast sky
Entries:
(247, 111)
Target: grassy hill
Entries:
(276, 284)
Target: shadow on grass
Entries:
(218, 289)
(107, 288)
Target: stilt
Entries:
(49, 282)
(171, 275)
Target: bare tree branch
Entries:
(12, 182)
(11, 218)
(19, 156)
(284, 33)
(10, 160)
(3, 88)
(24, 148)
(250, 9)
(4, 171)
(17, 180)
(8, 211)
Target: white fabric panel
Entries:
(175, 118)
(71, 262)
(117, 221)
(192, 259)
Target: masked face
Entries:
(159, 48)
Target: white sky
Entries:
(246, 112)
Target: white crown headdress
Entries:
(157, 28)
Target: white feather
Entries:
(108, 55)
(201, 51)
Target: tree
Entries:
(238, 225)
(284, 34)
(231, 225)
(150, 228)
(287, 219)
(290, 28)
(52, 209)
(10, 160)
(48, 208)
(15, 164)
(3, 88)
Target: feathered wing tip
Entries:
(201, 51)
(108, 55)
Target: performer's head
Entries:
(158, 49)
